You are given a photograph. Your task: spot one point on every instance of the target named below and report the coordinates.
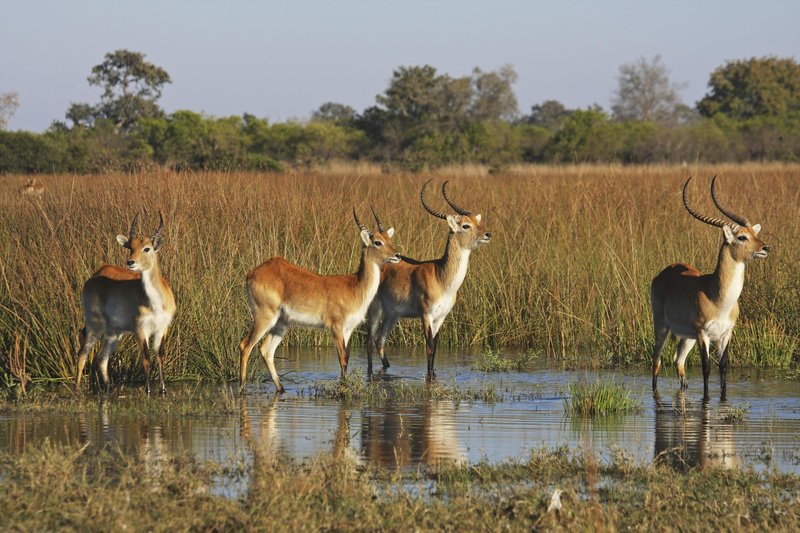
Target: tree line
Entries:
(424, 119)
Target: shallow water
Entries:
(682, 428)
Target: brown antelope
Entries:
(135, 300)
(33, 188)
(282, 295)
(703, 308)
(425, 289)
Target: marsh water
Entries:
(758, 426)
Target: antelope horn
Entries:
(377, 219)
(702, 218)
(429, 209)
(132, 233)
(361, 226)
(733, 216)
(157, 234)
(456, 208)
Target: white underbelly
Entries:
(299, 318)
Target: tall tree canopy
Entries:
(131, 87)
(751, 87)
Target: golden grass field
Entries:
(566, 275)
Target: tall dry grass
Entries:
(567, 272)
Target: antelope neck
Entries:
(727, 280)
(452, 267)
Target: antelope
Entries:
(33, 187)
(281, 295)
(703, 308)
(135, 300)
(425, 289)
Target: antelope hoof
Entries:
(280, 390)
(386, 364)
(162, 392)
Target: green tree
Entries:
(549, 114)
(333, 112)
(493, 95)
(645, 92)
(753, 87)
(131, 87)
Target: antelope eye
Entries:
(147, 249)
(378, 243)
(465, 226)
(742, 237)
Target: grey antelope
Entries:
(425, 289)
(703, 308)
(282, 295)
(135, 300)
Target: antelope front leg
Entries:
(158, 348)
(430, 347)
(703, 343)
(723, 366)
(146, 363)
(341, 347)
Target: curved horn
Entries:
(733, 216)
(456, 208)
(702, 218)
(361, 226)
(157, 234)
(377, 219)
(132, 232)
(429, 209)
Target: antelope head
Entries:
(379, 244)
(142, 250)
(467, 228)
(741, 236)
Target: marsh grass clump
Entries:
(599, 398)
(79, 487)
(492, 361)
(355, 387)
(735, 413)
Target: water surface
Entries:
(681, 428)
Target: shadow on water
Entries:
(758, 426)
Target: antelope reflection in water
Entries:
(405, 435)
(690, 437)
(261, 431)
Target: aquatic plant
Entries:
(599, 398)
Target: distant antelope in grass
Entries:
(699, 307)
(135, 300)
(282, 295)
(425, 289)
(33, 187)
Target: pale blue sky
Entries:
(281, 60)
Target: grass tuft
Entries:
(599, 398)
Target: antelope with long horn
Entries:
(703, 308)
(33, 187)
(282, 295)
(425, 289)
(135, 300)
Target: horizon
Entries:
(346, 52)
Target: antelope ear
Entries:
(728, 234)
(453, 222)
(390, 232)
(756, 229)
(366, 237)
(122, 240)
(478, 218)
